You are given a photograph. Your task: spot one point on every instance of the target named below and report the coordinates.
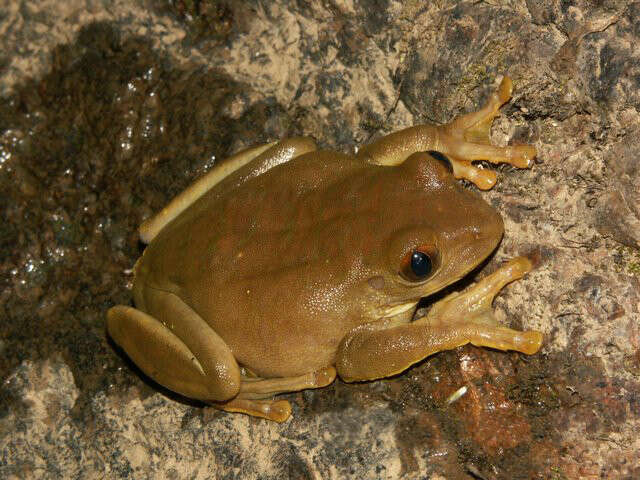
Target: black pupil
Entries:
(420, 264)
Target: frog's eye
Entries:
(418, 264)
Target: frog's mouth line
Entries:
(442, 279)
(399, 309)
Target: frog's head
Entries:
(431, 232)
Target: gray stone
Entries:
(109, 108)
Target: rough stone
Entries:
(108, 108)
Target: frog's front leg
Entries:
(377, 350)
(463, 140)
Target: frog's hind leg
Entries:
(466, 139)
(263, 157)
(255, 393)
(176, 348)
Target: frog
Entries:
(286, 266)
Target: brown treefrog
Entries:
(286, 265)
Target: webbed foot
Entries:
(471, 311)
(275, 410)
(255, 394)
(467, 138)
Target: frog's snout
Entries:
(481, 235)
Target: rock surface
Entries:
(109, 108)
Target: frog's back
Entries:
(242, 256)
(239, 213)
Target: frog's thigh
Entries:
(264, 158)
(254, 397)
(190, 358)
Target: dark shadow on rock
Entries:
(107, 137)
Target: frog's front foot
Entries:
(466, 139)
(469, 312)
